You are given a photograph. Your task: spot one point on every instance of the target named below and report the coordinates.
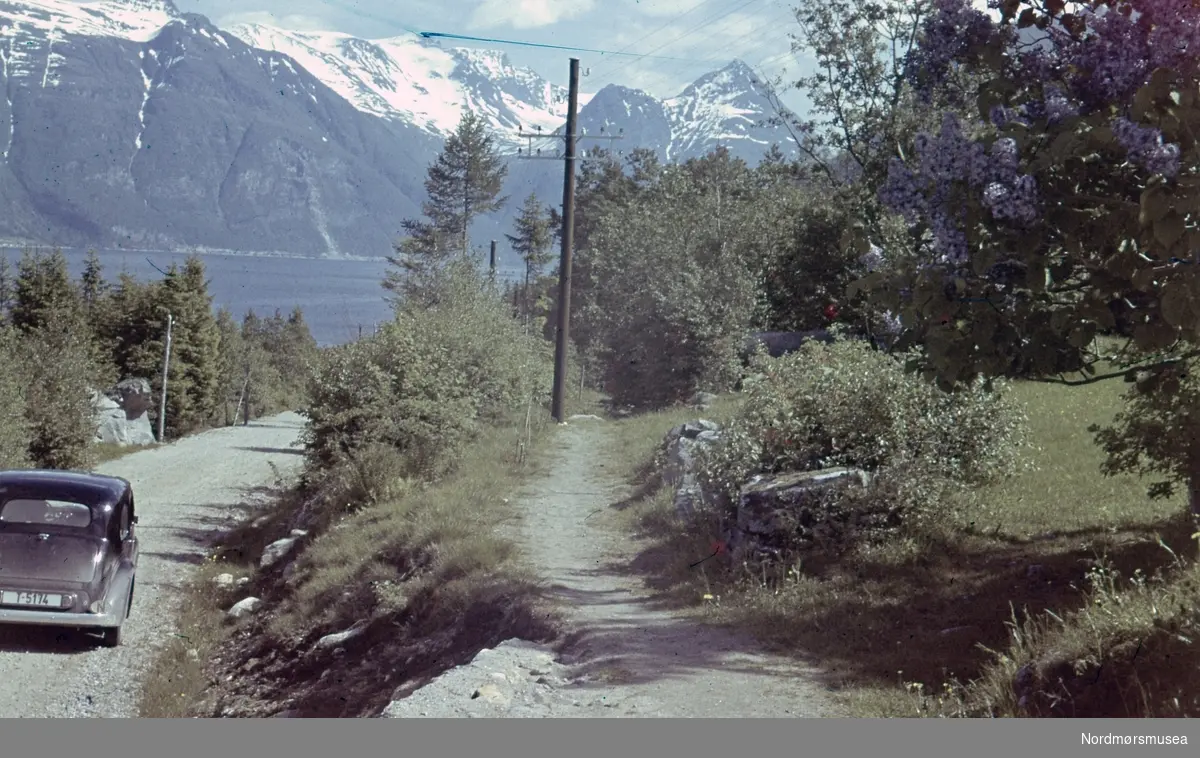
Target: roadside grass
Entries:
(103, 452)
(426, 576)
(893, 625)
(179, 675)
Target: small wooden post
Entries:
(162, 403)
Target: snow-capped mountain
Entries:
(137, 20)
(126, 123)
(115, 135)
(411, 79)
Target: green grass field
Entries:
(894, 624)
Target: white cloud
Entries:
(527, 14)
(291, 21)
(664, 8)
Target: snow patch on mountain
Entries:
(725, 105)
(137, 20)
(415, 80)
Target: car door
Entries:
(128, 532)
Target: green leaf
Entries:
(1155, 203)
(1063, 146)
(1160, 83)
(1143, 279)
(1180, 303)
(864, 284)
(1073, 23)
(983, 259)
(1143, 103)
(1082, 335)
(1102, 136)
(992, 57)
(987, 99)
(1169, 228)
(1027, 18)
(1154, 336)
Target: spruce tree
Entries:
(135, 328)
(7, 289)
(232, 364)
(194, 383)
(92, 286)
(463, 183)
(532, 241)
(44, 293)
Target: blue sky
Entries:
(696, 35)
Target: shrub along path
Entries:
(626, 653)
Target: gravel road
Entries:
(629, 656)
(184, 491)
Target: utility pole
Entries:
(570, 137)
(162, 402)
(568, 238)
(492, 262)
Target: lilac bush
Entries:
(1070, 207)
(948, 162)
(1088, 63)
(1145, 146)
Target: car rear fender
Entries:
(116, 603)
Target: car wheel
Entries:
(111, 636)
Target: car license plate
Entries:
(38, 599)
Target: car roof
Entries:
(82, 486)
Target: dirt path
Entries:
(183, 491)
(629, 656)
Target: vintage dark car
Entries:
(68, 550)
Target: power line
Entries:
(446, 35)
(655, 31)
(731, 45)
(688, 33)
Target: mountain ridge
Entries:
(303, 142)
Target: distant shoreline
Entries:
(20, 244)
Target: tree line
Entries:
(61, 339)
(673, 265)
(990, 205)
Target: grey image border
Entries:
(612, 738)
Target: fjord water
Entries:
(337, 295)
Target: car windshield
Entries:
(51, 512)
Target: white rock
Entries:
(245, 607)
(223, 580)
(338, 638)
(276, 551)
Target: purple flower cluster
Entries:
(1113, 60)
(944, 164)
(1055, 106)
(1063, 76)
(949, 35)
(1145, 147)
